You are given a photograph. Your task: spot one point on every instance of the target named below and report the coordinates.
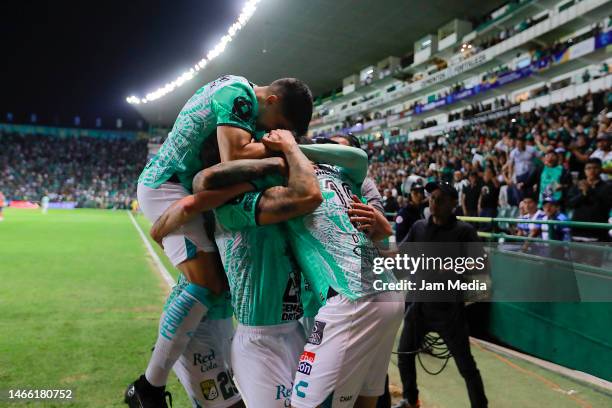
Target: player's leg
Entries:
(191, 251)
(172, 340)
(365, 402)
(183, 313)
(214, 280)
(189, 248)
(264, 360)
(389, 312)
(204, 368)
(340, 347)
(384, 401)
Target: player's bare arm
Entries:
(236, 143)
(183, 210)
(302, 194)
(209, 193)
(237, 171)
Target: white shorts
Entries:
(186, 241)
(204, 368)
(265, 359)
(348, 351)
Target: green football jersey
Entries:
(264, 278)
(229, 100)
(267, 285)
(331, 251)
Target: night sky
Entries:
(65, 58)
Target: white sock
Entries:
(176, 327)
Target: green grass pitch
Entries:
(79, 306)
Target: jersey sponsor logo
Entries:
(291, 311)
(292, 304)
(283, 393)
(308, 356)
(316, 335)
(299, 389)
(304, 367)
(242, 108)
(205, 361)
(226, 384)
(209, 390)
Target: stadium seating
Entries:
(89, 172)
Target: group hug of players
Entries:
(274, 233)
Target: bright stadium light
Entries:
(243, 18)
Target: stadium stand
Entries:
(100, 172)
(466, 98)
(405, 116)
(89, 172)
(570, 127)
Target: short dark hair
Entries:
(296, 102)
(594, 160)
(303, 139)
(350, 138)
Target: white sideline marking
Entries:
(568, 372)
(160, 266)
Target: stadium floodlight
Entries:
(247, 12)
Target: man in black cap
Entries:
(411, 213)
(448, 319)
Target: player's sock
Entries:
(176, 327)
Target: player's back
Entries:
(330, 249)
(264, 278)
(229, 100)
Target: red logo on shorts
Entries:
(308, 356)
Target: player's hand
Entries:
(279, 140)
(362, 215)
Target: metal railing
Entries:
(576, 224)
(494, 223)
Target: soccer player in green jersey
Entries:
(346, 358)
(268, 293)
(356, 345)
(220, 121)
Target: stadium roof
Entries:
(319, 41)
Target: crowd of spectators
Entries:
(556, 159)
(91, 172)
(540, 56)
(550, 163)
